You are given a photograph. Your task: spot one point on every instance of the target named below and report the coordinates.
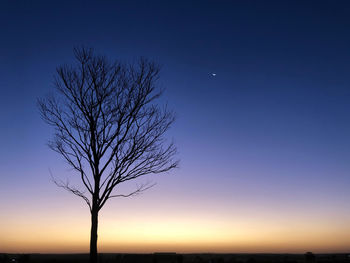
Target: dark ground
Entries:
(176, 258)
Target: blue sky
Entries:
(269, 133)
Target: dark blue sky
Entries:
(274, 119)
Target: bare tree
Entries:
(108, 127)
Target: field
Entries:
(176, 258)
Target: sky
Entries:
(264, 144)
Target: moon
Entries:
(213, 74)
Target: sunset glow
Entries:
(182, 235)
(135, 229)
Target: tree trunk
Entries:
(93, 236)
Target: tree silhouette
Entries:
(108, 127)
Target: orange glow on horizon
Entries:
(179, 234)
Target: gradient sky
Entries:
(264, 145)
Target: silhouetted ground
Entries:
(176, 258)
